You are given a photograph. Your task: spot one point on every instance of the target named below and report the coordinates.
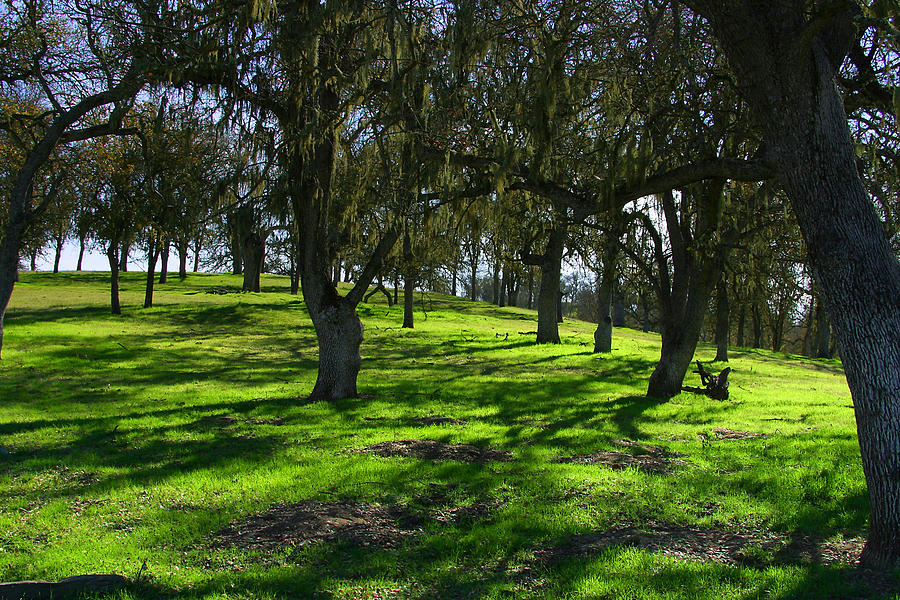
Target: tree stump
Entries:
(714, 386)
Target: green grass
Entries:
(113, 459)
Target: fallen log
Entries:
(714, 386)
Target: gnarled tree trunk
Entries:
(786, 69)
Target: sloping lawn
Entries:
(175, 446)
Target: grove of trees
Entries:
(723, 168)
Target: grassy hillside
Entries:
(150, 444)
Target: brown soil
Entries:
(723, 433)
(426, 421)
(311, 521)
(731, 547)
(435, 450)
(646, 457)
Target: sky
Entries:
(93, 260)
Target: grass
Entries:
(112, 458)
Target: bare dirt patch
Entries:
(723, 433)
(646, 457)
(751, 548)
(435, 450)
(311, 521)
(427, 421)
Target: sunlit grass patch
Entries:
(129, 443)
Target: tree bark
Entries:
(823, 332)
(756, 321)
(409, 282)
(164, 262)
(123, 257)
(57, 254)
(787, 77)
(197, 244)
(603, 333)
(152, 253)
(253, 249)
(81, 245)
(182, 247)
(742, 317)
(112, 254)
(618, 315)
(548, 294)
(339, 333)
(722, 321)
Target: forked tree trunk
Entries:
(722, 324)
(340, 333)
(680, 332)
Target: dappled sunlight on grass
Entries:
(138, 438)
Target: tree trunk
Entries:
(512, 290)
(57, 254)
(618, 315)
(756, 321)
(495, 289)
(722, 324)
(454, 276)
(34, 254)
(409, 290)
(504, 282)
(530, 288)
(197, 244)
(123, 257)
(548, 294)
(791, 91)
(339, 333)
(823, 332)
(112, 254)
(742, 317)
(152, 254)
(253, 251)
(603, 333)
(164, 262)
(237, 259)
(680, 332)
(81, 244)
(9, 255)
(182, 247)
